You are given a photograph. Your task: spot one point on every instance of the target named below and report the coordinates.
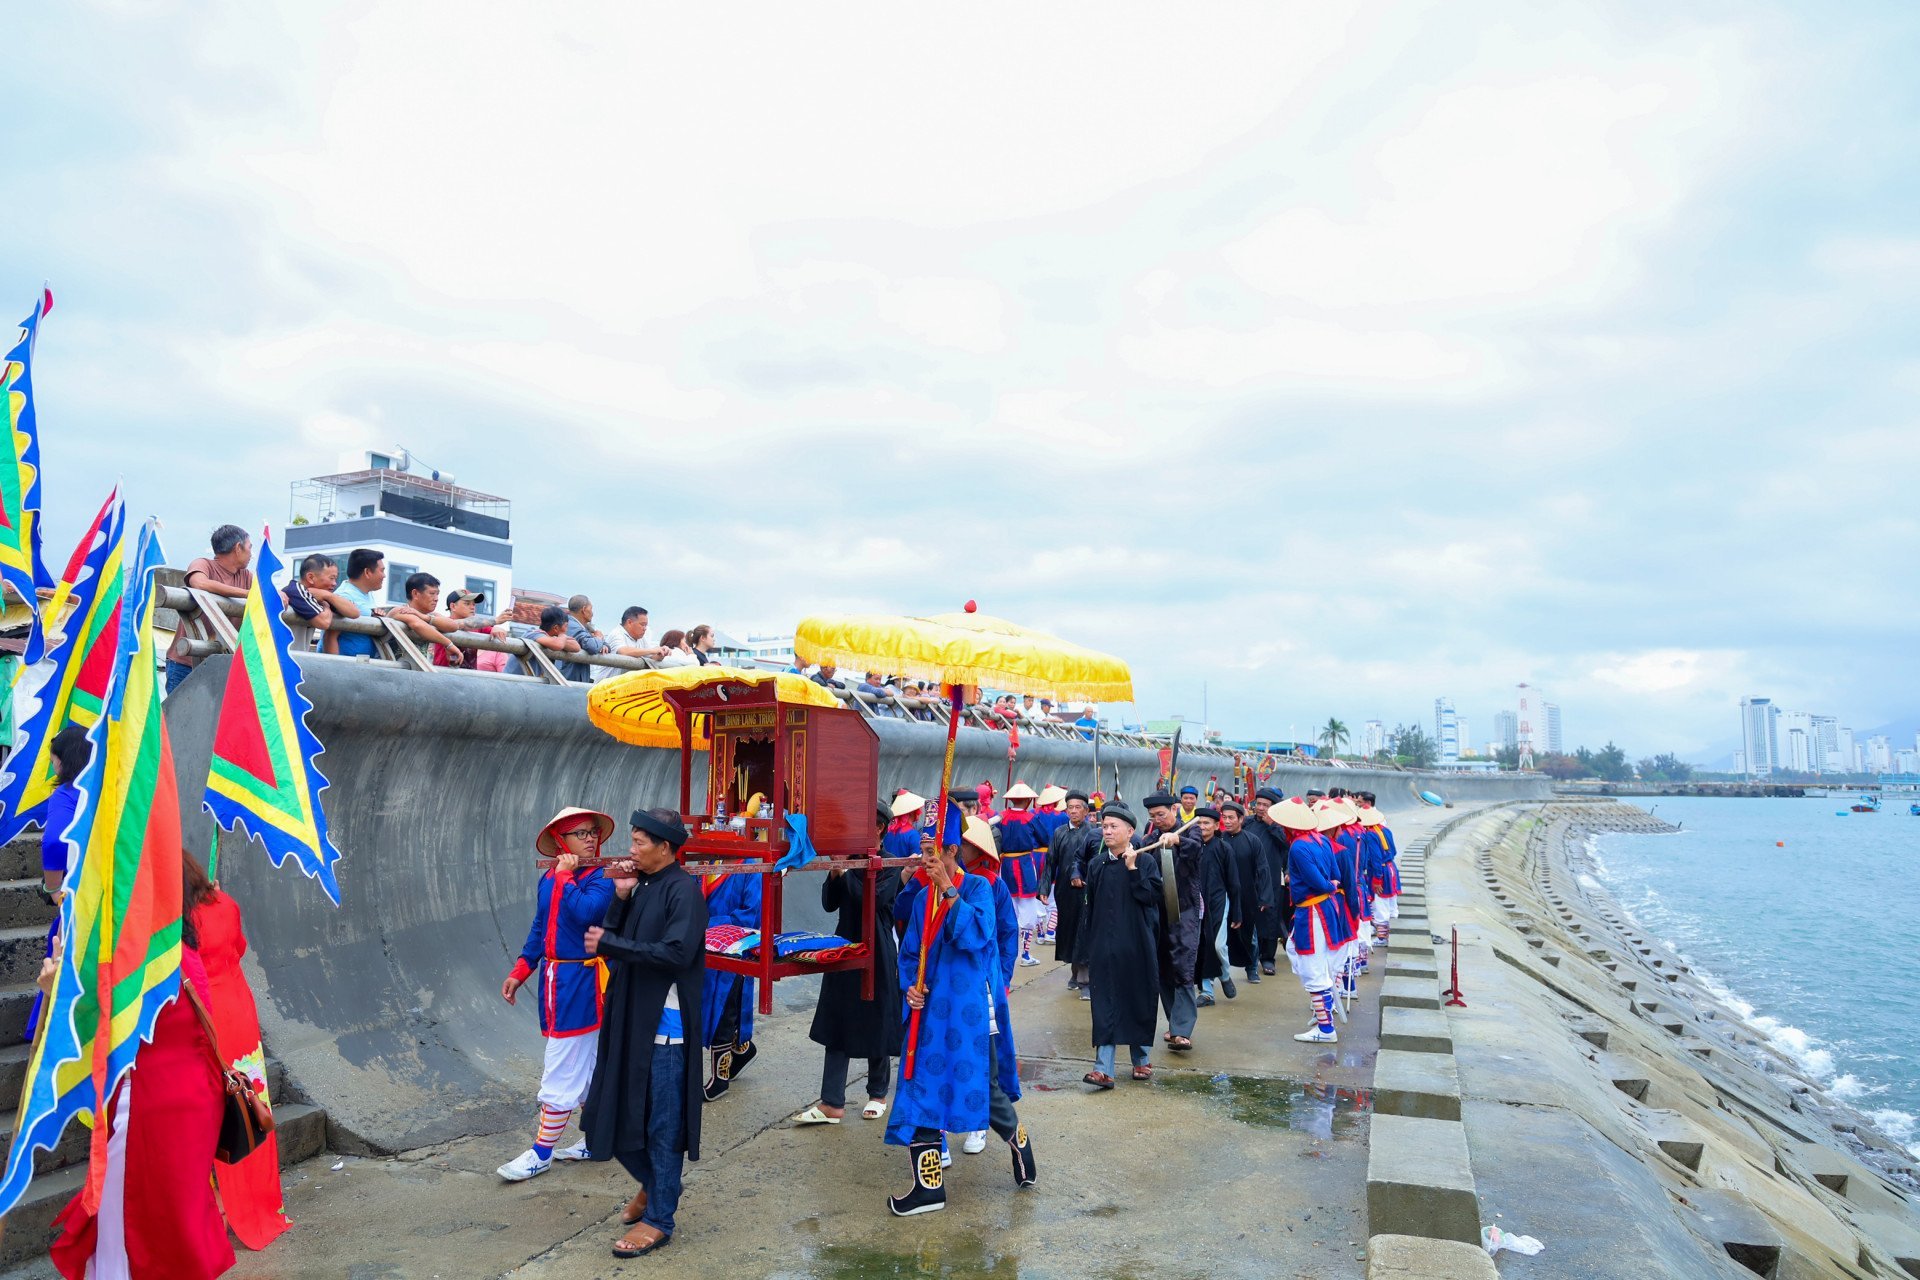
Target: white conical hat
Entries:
(1021, 791)
(1053, 793)
(907, 802)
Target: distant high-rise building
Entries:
(1796, 754)
(1906, 761)
(1466, 735)
(1739, 762)
(1847, 753)
(1446, 729)
(1555, 743)
(1759, 736)
(1373, 738)
(1506, 729)
(1879, 754)
(1825, 746)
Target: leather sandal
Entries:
(642, 1240)
(1143, 1072)
(1180, 1044)
(1098, 1079)
(635, 1207)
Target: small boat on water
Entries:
(1871, 807)
(1914, 809)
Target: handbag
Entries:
(246, 1118)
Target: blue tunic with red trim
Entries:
(1313, 874)
(730, 900)
(1351, 865)
(1006, 922)
(1022, 851)
(1382, 871)
(949, 1089)
(566, 905)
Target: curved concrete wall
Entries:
(387, 1011)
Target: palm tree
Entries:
(1333, 736)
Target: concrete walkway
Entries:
(1246, 1157)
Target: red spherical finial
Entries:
(971, 607)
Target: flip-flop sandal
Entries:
(814, 1115)
(874, 1109)
(624, 1247)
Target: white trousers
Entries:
(568, 1070)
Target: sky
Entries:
(1320, 360)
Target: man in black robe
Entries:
(1220, 890)
(1275, 842)
(1067, 854)
(1253, 869)
(1119, 945)
(644, 1107)
(1180, 926)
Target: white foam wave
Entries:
(1851, 1088)
(1588, 883)
(1901, 1126)
(1798, 1045)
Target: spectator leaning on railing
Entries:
(224, 573)
(632, 638)
(366, 576)
(552, 636)
(314, 595)
(677, 653)
(586, 639)
(417, 614)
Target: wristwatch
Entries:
(950, 893)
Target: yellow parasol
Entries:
(964, 649)
(960, 650)
(634, 707)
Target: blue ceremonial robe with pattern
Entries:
(949, 1090)
(735, 900)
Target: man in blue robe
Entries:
(727, 998)
(964, 1075)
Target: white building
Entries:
(420, 520)
(1373, 738)
(1759, 736)
(1906, 761)
(1794, 733)
(1446, 730)
(1466, 735)
(1555, 743)
(1506, 729)
(1879, 754)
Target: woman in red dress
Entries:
(158, 1219)
(249, 1190)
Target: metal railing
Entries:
(207, 620)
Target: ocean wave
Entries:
(1898, 1125)
(1798, 1045)
(1851, 1088)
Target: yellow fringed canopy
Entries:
(634, 707)
(964, 649)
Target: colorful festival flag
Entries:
(120, 924)
(264, 778)
(70, 686)
(20, 564)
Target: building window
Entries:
(397, 575)
(484, 587)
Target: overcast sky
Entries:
(1338, 358)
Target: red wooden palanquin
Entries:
(823, 762)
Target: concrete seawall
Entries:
(387, 1011)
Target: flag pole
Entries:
(955, 698)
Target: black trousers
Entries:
(833, 1078)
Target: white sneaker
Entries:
(527, 1164)
(1314, 1035)
(946, 1157)
(578, 1151)
(976, 1143)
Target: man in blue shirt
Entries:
(580, 631)
(366, 577)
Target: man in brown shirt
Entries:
(224, 573)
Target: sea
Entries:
(1805, 920)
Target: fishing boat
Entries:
(1872, 806)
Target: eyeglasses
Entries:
(582, 832)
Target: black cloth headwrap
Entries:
(1120, 811)
(1268, 793)
(1159, 800)
(1081, 796)
(1207, 811)
(1234, 806)
(668, 829)
(964, 795)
